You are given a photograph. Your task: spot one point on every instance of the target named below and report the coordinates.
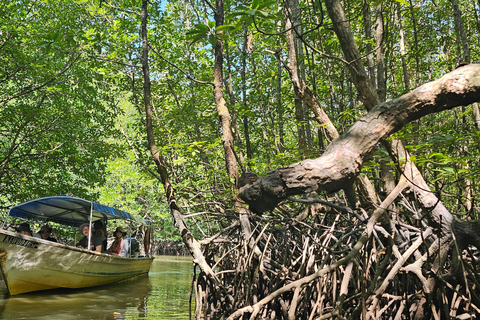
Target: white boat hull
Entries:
(31, 264)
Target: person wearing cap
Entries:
(45, 232)
(116, 247)
(24, 228)
(95, 241)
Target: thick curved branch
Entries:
(344, 157)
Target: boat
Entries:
(32, 264)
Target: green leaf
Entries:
(226, 27)
(449, 169)
(197, 33)
(212, 40)
(211, 24)
(199, 28)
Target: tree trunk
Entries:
(464, 57)
(296, 64)
(416, 42)
(368, 45)
(464, 53)
(246, 125)
(225, 120)
(381, 70)
(187, 237)
(406, 76)
(235, 127)
(220, 103)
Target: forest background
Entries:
(158, 107)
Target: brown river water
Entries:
(163, 294)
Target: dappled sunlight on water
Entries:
(164, 294)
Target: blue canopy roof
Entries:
(69, 211)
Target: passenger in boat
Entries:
(127, 251)
(116, 247)
(95, 241)
(24, 228)
(99, 230)
(45, 232)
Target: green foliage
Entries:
(53, 117)
(262, 10)
(71, 94)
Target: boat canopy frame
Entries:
(71, 211)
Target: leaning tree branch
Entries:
(344, 157)
(190, 242)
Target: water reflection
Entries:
(164, 294)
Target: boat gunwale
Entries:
(68, 247)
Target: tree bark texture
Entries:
(406, 77)
(296, 65)
(464, 54)
(222, 110)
